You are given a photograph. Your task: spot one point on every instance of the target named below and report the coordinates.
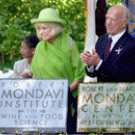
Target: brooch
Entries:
(119, 50)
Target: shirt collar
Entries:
(115, 38)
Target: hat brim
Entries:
(48, 20)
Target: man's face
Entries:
(114, 21)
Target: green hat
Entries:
(48, 15)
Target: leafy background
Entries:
(15, 16)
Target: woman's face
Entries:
(25, 51)
(45, 33)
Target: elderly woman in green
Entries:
(56, 55)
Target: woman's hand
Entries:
(74, 84)
(27, 75)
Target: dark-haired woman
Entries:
(22, 68)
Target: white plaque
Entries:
(33, 105)
(106, 107)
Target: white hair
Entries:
(55, 27)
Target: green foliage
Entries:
(15, 22)
(113, 2)
(16, 16)
(12, 36)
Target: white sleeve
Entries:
(91, 68)
(99, 64)
(15, 68)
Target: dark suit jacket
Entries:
(119, 67)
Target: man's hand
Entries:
(96, 58)
(90, 59)
(87, 58)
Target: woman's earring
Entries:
(32, 52)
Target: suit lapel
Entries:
(118, 49)
(102, 49)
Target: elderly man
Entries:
(113, 59)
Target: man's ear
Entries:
(125, 22)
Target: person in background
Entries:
(56, 56)
(113, 58)
(100, 17)
(22, 68)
